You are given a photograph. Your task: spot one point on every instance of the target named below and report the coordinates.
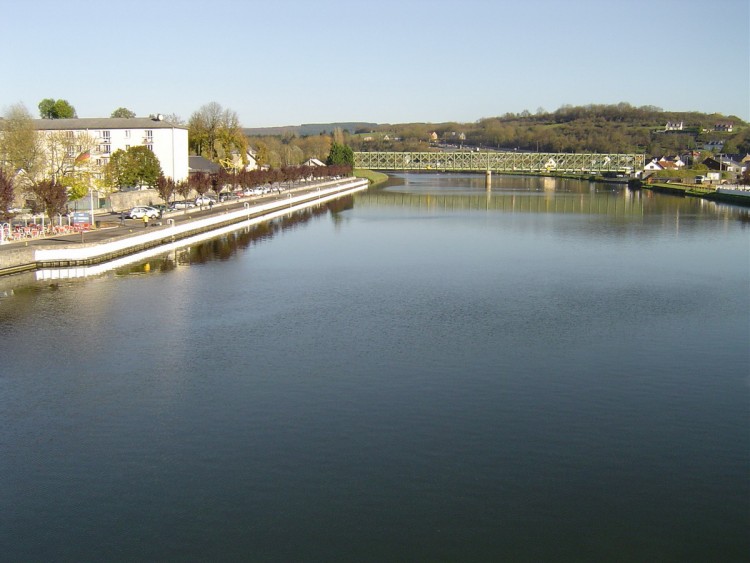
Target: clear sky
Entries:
(287, 62)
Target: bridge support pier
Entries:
(488, 180)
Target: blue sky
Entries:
(287, 62)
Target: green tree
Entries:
(340, 155)
(56, 109)
(76, 186)
(215, 133)
(20, 143)
(137, 166)
(123, 112)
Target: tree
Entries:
(137, 166)
(68, 153)
(183, 188)
(7, 195)
(20, 146)
(202, 130)
(200, 182)
(166, 188)
(123, 112)
(340, 155)
(56, 109)
(51, 195)
(216, 133)
(174, 119)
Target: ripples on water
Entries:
(555, 372)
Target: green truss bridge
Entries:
(466, 161)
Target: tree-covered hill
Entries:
(596, 128)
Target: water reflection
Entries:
(226, 246)
(524, 194)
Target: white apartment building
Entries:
(169, 142)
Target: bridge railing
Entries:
(501, 161)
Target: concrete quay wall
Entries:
(173, 235)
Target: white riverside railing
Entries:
(264, 211)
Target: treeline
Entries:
(203, 182)
(597, 128)
(259, 177)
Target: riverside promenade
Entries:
(117, 238)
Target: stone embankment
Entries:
(171, 233)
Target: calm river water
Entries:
(555, 371)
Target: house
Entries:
(313, 162)
(722, 163)
(433, 137)
(93, 140)
(671, 162)
(724, 127)
(674, 126)
(713, 145)
(234, 161)
(653, 164)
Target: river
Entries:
(551, 371)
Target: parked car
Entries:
(182, 204)
(139, 212)
(162, 208)
(228, 196)
(204, 200)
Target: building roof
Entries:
(202, 164)
(85, 123)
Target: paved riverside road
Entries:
(112, 225)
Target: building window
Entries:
(150, 147)
(69, 134)
(105, 136)
(127, 147)
(106, 149)
(149, 136)
(99, 161)
(127, 133)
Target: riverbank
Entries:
(80, 252)
(375, 178)
(722, 194)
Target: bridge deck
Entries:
(501, 161)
